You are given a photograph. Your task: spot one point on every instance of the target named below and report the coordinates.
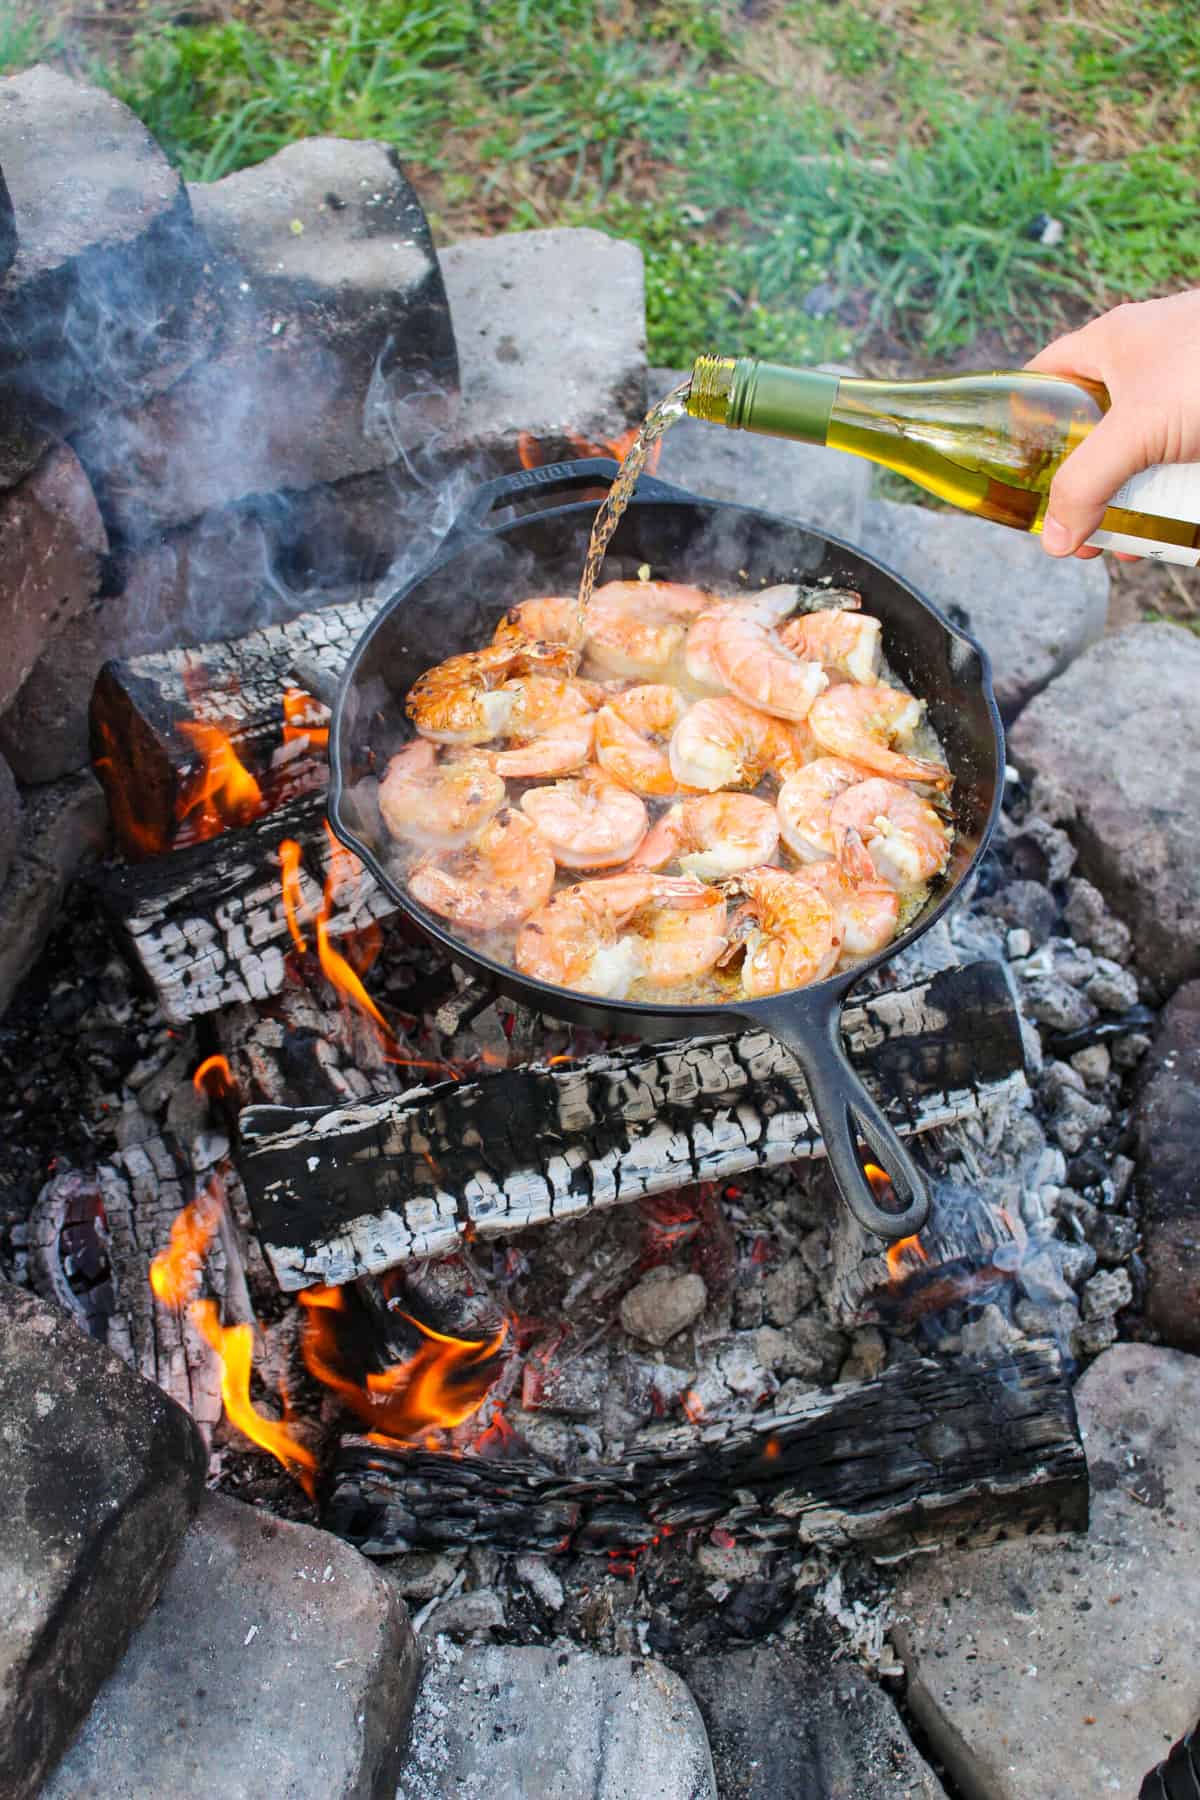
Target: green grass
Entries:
(808, 182)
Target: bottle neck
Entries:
(748, 395)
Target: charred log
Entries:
(928, 1454)
(339, 1192)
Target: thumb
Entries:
(1087, 481)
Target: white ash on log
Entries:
(138, 706)
(208, 925)
(355, 1189)
(928, 1454)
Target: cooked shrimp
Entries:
(602, 936)
(629, 734)
(711, 836)
(589, 823)
(498, 881)
(637, 628)
(860, 723)
(846, 641)
(804, 803)
(429, 802)
(727, 744)
(547, 619)
(790, 934)
(867, 907)
(745, 651)
(907, 839)
(470, 698)
(553, 723)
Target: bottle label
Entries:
(1168, 491)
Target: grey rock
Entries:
(277, 1661)
(1031, 616)
(1112, 988)
(1091, 1336)
(1123, 1168)
(1120, 731)
(1041, 1276)
(1167, 1186)
(1129, 1049)
(810, 1349)
(1113, 1238)
(1027, 905)
(102, 1473)
(786, 1291)
(51, 542)
(1018, 943)
(1106, 1294)
(541, 1580)
(1090, 922)
(1077, 1262)
(64, 826)
(988, 1330)
(8, 228)
(569, 390)
(1075, 1120)
(1041, 852)
(785, 1724)
(1093, 1064)
(1048, 799)
(1054, 1002)
(499, 1723)
(10, 820)
(335, 355)
(422, 1575)
(1004, 1671)
(868, 1354)
(100, 302)
(663, 1304)
(1038, 1320)
(1073, 962)
(822, 488)
(464, 1614)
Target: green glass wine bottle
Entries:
(987, 443)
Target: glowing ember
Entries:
(692, 1406)
(234, 1345)
(222, 792)
(304, 719)
(214, 1077)
(443, 1383)
(530, 451)
(175, 1271)
(290, 854)
(907, 1250)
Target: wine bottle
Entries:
(987, 443)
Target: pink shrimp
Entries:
(469, 699)
(790, 934)
(746, 653)
(503, 877)
(723, 743)
(861, 723)
(588, 823)
(846, 641)
(437, 803)
(553, 724)
(805, 801)
(867, 908)
(601, 936)
(907, 839)
(637, 628)
(546, 618)
(629, 730)
(712, 836)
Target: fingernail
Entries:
(1056, 537)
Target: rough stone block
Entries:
(551, 340)
(1032, 616)
(51, 542)
(554, 1723)
(1168, 1173)
(1050, 1671)
(102, 1471)
(1120, 732)
(10, 820)
(8, 228)
(277, 1662)
(64, 825)
(783, 1723)
(820, 487)
(336, 352)
(98, 304)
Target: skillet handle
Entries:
(845, 1111)
(553, 483)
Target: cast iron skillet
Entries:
(454, 603)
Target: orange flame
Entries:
(175, 1271)
(304, 717)
(222, 792)
(693, 1406)
(290, 855)
(910, 1248)
(443, 1383)
(529, 450)
(214, 1077)
(234, 1345)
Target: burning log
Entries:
(247, 690)
(928, 1454)
(340, 1192)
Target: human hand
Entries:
(1148, 357)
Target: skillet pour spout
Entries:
(526, 534)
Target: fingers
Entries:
(1087, 481)
(1075, 353)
